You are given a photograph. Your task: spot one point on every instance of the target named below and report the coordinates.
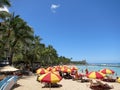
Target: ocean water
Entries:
(97, 67)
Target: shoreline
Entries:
(103, 65)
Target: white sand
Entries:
(30, 83)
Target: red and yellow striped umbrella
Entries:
(50, 78)
(66, 70)
(57, 68)
(56, 72)
(74, 68)
(118, 79)
(49, 68)
(54, 69)
(95, 75)
(107, 71)
(41, 71)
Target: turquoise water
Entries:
(81, 68)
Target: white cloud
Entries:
(54, 7)
(4, 9)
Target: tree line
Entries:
(19, 44)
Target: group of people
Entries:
(73, 75)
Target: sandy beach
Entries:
(30, 83)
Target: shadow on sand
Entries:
(55, 85)
(16, 86)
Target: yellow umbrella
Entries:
(49, 68)
(107, 71)
(55, 72)
(74, 68)
(41, 71)
(50, 78)
(66, 70)
(95, 75)
(118, 79)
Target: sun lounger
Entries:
(100, 85)
(67, 76)
(109, 80)
(85, 79)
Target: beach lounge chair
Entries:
(100, 85)
(85, 79)
(76, 77)
(67, 76)
(109, 79)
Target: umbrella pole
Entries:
(50, 85)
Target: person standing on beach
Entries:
(86, 71)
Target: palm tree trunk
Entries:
(10, 58)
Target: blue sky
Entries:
(77, 29)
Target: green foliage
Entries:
(83, 62)
(17, 41)
(5, 2)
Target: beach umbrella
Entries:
(57, 68)
(41, 71)
(50, 78)
(74, 68)
(56, 72)
(95, 75)
(65, 70)
(107, 71)
(54, 69)
(8, 68)
(64, 66)
(49, 68)
(118, 79)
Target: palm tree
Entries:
(35, 50)
(16, 31)
(4, 4)
(49, 54)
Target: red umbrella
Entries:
(49, 68)
(95, 75)
(74, 68)
(65, 70)
(107, 71)
(50, 78)
(41, 71)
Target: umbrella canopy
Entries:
(66, 70)
(95, 75)
(50, 78)
(54, 69)
(8, 69)
(49, 68)
(58, 68)
(56, 72)
(107, 71)
(118, 79)
(41, 71)
(74, 68)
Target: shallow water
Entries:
(81, 68)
